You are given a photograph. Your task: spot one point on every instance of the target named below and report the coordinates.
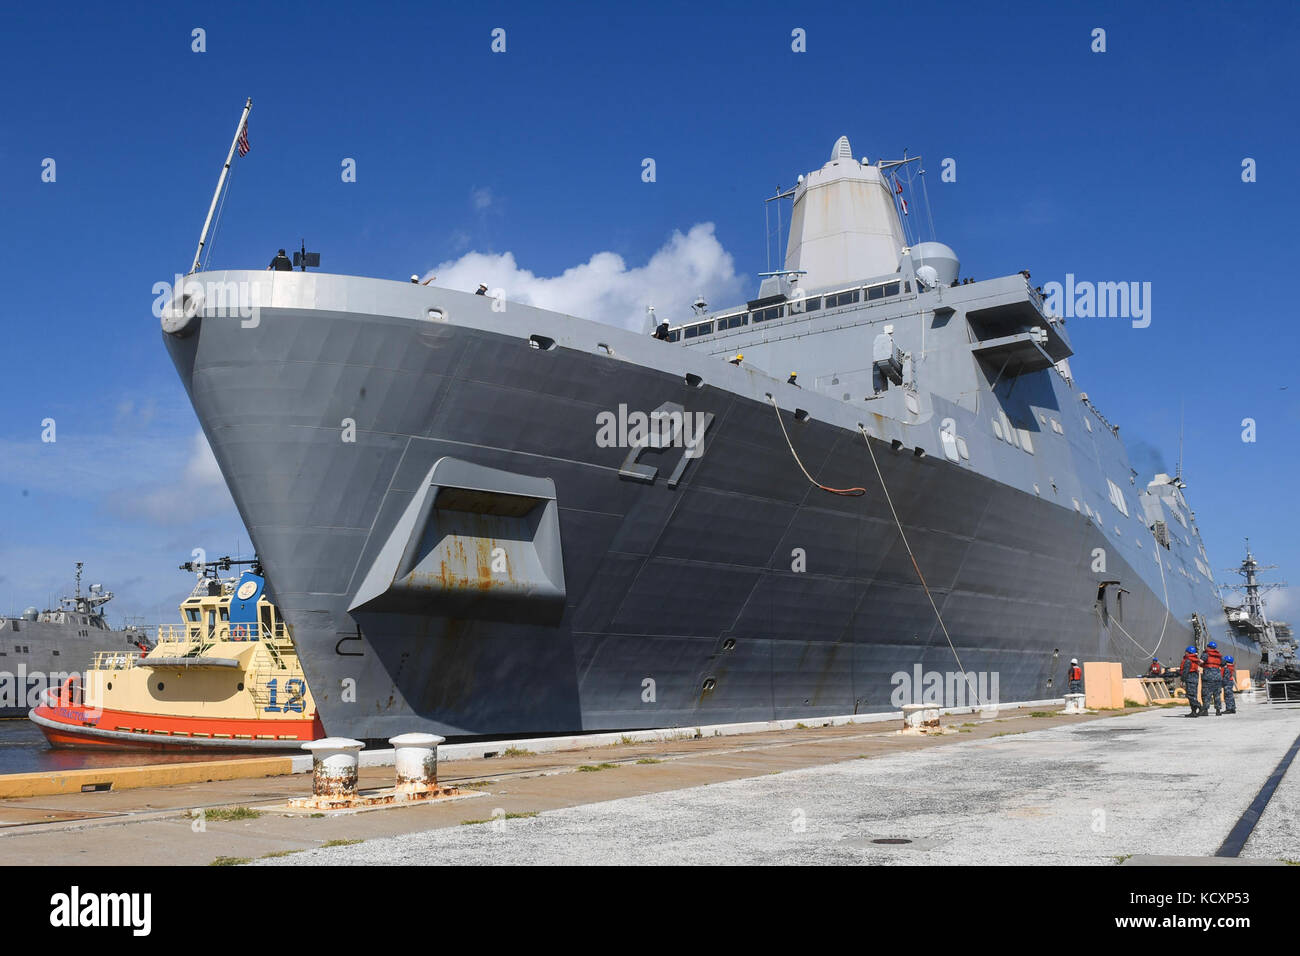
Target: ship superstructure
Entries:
(871, 469)
(1250, 620)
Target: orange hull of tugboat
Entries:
(76, 726)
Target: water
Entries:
(23, 750)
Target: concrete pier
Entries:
(1092, 789)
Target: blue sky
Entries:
(1115, 166)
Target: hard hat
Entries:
(1155, 660)
(1074, 660)
(1212, 644)
(1191, 649)
(1228, 659)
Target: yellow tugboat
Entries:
(226, 678)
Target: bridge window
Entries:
(844, 298)
(766, 315)
(812, 303)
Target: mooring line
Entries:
(1239, 834)
(915, 567)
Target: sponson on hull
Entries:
(868, 468)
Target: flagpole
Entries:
(221, 181)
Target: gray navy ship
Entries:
(41, 649)
(871, 470)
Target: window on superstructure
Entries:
(812, 304)
(844, 298)
(891, 288)
(675, 335)
(191, 614)
(875, 292)
(767, 315)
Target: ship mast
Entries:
(221, 181)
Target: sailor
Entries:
(1189, 670)
(415, 279)
(1212, 668)
(1229, 685)
(280, 263)
(661, 332)
(792, 380)
(1075, 675)
(482, 289)
(1155, 670)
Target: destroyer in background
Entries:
(40, 649)
(225, 678)
(482, 559)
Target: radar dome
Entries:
(928, 276)
(29, 614)
(936, 255)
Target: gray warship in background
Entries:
(40, 649)
(1251, 622)
(460, 548)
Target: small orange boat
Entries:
(226, 678)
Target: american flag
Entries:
(243, 141)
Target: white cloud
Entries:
(198, 491)
(1279, 604)
(605, 288)
(201, 469)
(482, 197)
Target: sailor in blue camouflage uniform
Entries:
(1211, 679)
(1189, 671)
(1229, 686)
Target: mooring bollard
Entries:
(1073, 704)
(334, 767)
(920, 718)
(415, 758)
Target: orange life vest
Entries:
(1192, 663)
(1076, 672)
(1213, 658)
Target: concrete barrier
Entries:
(1074, 704)
(1103, 685)
(151, 775)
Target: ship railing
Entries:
(114, 660)
(195, 638)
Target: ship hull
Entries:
(739, 593)
(36, 656)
